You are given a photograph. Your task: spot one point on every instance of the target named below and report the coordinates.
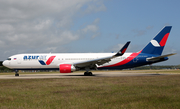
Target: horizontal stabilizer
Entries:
(159, 57)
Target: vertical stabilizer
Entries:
(156, 45)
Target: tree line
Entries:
(157, 67)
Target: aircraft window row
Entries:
(89, 58)
(121, 58)
(79, 58)
(142, 56)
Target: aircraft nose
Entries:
(5, 63)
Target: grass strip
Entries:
(97, 92)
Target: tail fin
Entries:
(156, 45)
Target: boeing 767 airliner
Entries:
(69, 62)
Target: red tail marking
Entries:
(163, 41)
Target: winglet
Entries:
(123, 50)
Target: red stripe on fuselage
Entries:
(50, 60)
(128, 59)
(163, 41)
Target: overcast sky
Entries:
(58, 26)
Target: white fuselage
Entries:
(30, 61)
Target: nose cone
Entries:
(5, 63)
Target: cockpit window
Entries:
(9, 59)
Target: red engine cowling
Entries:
(66, 68)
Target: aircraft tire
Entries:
(16, 74)
(88, 74)
(85, 73)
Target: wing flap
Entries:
(98, 61)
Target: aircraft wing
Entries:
(159, 57)
(100, 61)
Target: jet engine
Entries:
(66, 68)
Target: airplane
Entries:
(70, 62)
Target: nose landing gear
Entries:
(16, 73)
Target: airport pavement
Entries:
(77, 75)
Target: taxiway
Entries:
(77, 75)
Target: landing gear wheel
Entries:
(16, 73)
(88, 74)
(85, 73)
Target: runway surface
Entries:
(77, 75)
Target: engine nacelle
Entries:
(66, 68)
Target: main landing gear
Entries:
(88, 73)
(16, 73)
